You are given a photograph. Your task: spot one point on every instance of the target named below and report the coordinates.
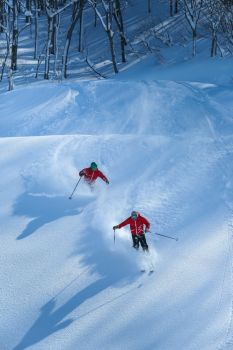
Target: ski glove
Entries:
(115, 227)
(147, 230)
(107, 182)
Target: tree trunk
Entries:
(41, 5)
(10, 80)
(149, 6)
(109, 16)
(53, 48)
(36, 28)
(80, 42)
(95, 18)
(6, 56)
(29, 9)
(171, 7)
(214, 45)
(2, 15)
(14, 47)
(75, 16)
(192, 14)
(110, 38)
(48, 47)
(120, 24)
(194, 41)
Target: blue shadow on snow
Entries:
(113, 268)
(44, 209)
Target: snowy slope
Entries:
(122, 107)
(167, 150)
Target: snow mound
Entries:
(109, 107)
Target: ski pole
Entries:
(159, 234)
(114, 236)
(75, 188)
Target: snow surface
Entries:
(167, 148)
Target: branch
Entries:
(94, 70)
(52, 14)
(8, 4)
(4, 28)
(98, 14)
(28, 24)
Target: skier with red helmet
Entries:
(92, 173)
(137, 225)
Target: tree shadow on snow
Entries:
(52, 320)
(113, 268)
(44, 209)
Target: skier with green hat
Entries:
(92, 173)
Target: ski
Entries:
(149, 272)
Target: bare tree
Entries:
(120, 25)
(6, 30)
(37, 10)
(76, 13)
(107, 22)
(81, 24)
(9, 26)
(28, 11)
(10, 80)
(227, 23)
(49, 40)
(214, 13)
(193, 10)
(52, 11)
(149, 6)
(171, 7)
(14, 46)
(41, 5)
(95, 15)
(2, 16)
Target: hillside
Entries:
(167, 149)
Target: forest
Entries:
(57, 32)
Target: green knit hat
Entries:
(94, 166)
(134, 214)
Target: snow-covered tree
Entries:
(2, 16)
(52, 10)
(77, 8)
(192, 9)
(106, 19)
(15, 33)
(214, 13)
(227, 23)
(120, 26)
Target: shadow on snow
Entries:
(112, 268)
(44, 209)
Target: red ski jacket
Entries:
(136, 226)
(91, 175)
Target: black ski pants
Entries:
(140, 239)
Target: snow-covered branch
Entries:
(51, 12)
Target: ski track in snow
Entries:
(226, 171)
(65, 282)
